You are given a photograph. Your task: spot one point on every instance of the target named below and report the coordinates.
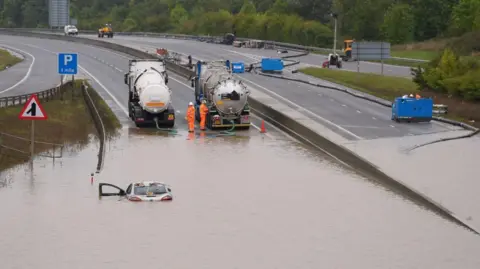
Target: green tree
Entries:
(466, 16)
(279, 7)
(248, 8)
(432, 17)
(398, 24)
(178, 15)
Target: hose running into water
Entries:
(229, 132)
(169, 130)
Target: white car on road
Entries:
(70, 30)
(148, 191)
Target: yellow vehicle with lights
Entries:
(105, 31)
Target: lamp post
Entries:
(335, 17)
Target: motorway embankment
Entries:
(68, 125)
(297, 124)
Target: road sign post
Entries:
(67, 65)
(32, 110)
(370, 51)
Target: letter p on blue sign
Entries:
(67, 63)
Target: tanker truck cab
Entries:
(149, 98)
(226, 97)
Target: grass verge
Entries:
(7, 59)
(415, 54)
(69, 122)
(398, 62)
(109, 119)
(388, 88)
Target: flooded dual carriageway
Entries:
(240, 202)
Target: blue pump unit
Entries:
(238, 67)
(412, 109)
(272, 65)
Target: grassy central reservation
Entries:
(69, 122)
(7, 59)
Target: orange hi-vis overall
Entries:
(191, 118)
(203, 115)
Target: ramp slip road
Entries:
(246, 201)
(350, 117)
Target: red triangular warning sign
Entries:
(33, 110)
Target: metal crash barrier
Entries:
(440, 109)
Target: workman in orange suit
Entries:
(203, 114)
(190, 117)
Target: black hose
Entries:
(475, 131)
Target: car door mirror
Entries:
(125, 77)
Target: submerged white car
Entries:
(148, 191)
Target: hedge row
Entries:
(282, 28)
(453, 75)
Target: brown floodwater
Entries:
(240, 202)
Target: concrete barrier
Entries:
(291, 126)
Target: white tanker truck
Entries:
(227, 97)
(149, 98)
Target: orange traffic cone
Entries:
(262, 128)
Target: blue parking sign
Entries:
(67, 63)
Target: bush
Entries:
(465, 44)
(451, 74)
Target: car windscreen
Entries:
(154, 189)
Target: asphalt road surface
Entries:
(242, 199)
(351, 117)
(30, 75)
(105, 70)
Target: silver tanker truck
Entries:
(227, 97)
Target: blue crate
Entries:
(238, 67)
(272, 65)
(412, 109)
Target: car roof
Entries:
(147, 183)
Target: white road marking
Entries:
(304, 109)
(359, 112)
(251, 56)
(123, 108)
(374, 118)
(360, 127)
(344, 105)
(28, 71)
(392, 126)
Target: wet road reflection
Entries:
(240, 202)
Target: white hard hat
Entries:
(190, 104)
